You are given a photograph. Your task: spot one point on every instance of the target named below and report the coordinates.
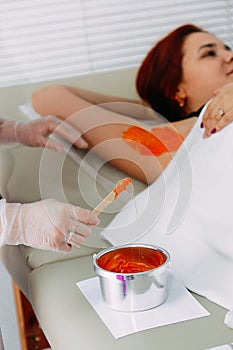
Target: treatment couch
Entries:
(48, 279)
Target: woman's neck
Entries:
(195, 113)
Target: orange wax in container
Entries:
(131, 260)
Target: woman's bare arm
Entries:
(62, 100)
(104, 130)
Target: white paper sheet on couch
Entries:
(189, 212)
(180, 306)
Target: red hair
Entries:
(161, 72)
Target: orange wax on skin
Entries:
(122, 186)
(157, 141)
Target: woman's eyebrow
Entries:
(210, 45)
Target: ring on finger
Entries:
(221, 113)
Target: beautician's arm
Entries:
(47, 224)
(35, 133)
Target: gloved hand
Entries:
(47, 224)
(35, 133)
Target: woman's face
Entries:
(207, 65)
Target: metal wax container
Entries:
(133, 291)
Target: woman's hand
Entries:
(219, 112)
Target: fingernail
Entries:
(202, 125)
(84, 144)
(96, 220)
(213, 131)
(81, 143)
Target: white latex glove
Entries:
(48, 224)
(35, 133)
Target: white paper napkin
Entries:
(180, 306)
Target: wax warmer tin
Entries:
(133, 291)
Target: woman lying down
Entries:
(188, 209)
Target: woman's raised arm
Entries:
(139, 150)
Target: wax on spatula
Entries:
(118, 189)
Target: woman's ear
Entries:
(180, 96)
